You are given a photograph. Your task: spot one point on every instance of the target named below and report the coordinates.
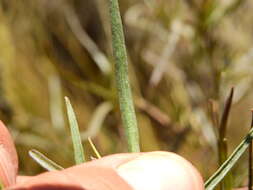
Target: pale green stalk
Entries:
(121, 71)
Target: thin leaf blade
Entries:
(75, 134)
(43, 161)
(127, 110)
(215, 179)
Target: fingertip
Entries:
(161, 170)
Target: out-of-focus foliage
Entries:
(182, 56)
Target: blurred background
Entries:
(184, 57)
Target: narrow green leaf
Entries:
(213, 181)
(75, 134)
(121, 72)
(45, 162)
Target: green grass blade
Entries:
(75, 134)
(121, 72)
(213, 181)
(44, 161)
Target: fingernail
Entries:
(161, 171)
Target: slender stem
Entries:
(225, 115)
(222, 141)
(94, 148)
(121, 71)
(212, 182)
(250, 158)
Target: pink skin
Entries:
(127, 171)
(8, 158)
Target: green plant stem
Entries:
(226, 184)
(214, 180)
(121, 71)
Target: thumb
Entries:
(137, 171)
(161, 170)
